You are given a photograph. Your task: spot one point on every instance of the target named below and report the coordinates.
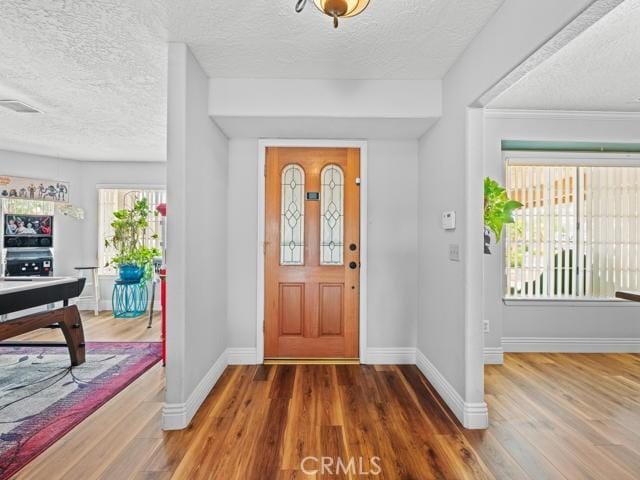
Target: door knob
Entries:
(353, 265)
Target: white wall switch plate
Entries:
(449, 220)
(454, 252)
(485, 326)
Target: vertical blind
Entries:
(577, 234)
(113, 199)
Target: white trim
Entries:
(493, 356)
(559, 115)
(362, 145)
(176, 416)
(123, 186)
(593, 159)
(476, 416)
(474, 273)
(472, 415)
(391, 356)
(569, 302)
(241, 356)
(571, 345)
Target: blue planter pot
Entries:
(131, 273)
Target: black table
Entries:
(631, 295)
(22, 293)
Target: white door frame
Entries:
(262, 146)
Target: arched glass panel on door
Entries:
(292, 216)
(332, 216)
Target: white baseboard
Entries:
(391, 356)
(493, 356)
(177, 416)
(471, 415)
(571, 345)
(241, 356)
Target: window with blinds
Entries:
(27, 207)
(577, 235)
(113, 199)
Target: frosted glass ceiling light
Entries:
(337, 8)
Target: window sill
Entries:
(568, 302)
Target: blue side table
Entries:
(129, 299)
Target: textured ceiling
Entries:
(597, 71)
(392, 39)
(96, 68)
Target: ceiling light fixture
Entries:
(336, 8)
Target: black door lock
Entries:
(353, 265)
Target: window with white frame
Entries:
(114, 199)
(27, 207)
(578, 233)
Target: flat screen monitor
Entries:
(28, 230)
(16, 225)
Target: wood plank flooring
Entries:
(104, 328)
(553, 416)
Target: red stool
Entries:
(163, 304)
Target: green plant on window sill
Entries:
(130, 236)
(498, 209)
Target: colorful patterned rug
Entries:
(42, 397)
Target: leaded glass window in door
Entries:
(332, 216)
(292, 216)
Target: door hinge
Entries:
(264, 248)
(358, 181)
(265, 170)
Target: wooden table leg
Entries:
(67, 317)
(71, 326)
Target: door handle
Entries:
(353, 265)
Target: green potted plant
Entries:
(133, 258)
(498, 211)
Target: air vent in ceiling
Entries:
(18, 106)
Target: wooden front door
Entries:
(312, 253)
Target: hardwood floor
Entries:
(104, 328)
(552, 416)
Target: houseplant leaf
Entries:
(498, 208)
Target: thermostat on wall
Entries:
(449, 220)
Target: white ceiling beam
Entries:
(325, 98)
(312, 108)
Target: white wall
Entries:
(76, 241)
(320, 109)
(196, 241)
(244, 97)
(119, 174)
(68, 233)
(242, 231)
(393, 244)
(553, 322)
(392, 223)
(450, 308)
